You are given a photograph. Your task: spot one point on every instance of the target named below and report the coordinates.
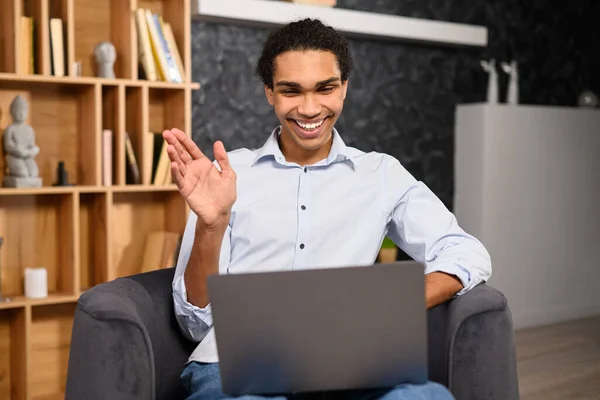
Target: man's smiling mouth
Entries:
(310, 126)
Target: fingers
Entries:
(176, 174)
(222, 158)
(171, 139)
(188, 144)
(175, 158)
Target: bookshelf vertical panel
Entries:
(136, 127)
(41, 15)
(76, 240)
(67, 274)
(10, 12)
(69, 16)
(119, 138)
(187, 111)
(19, 325)
(109, 270)
(89, 135)
(110, 128)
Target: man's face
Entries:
(308, 96)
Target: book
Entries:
(167, 67)
(173, 49)
(26, 44)
(133, 168)
(163, 167)
(144, 46)
(57, 47)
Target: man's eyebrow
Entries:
(327, 81)
(288, 83)
(297, 85)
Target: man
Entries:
(306, 200)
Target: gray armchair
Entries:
(126, 343)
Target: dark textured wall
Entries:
(402, 96)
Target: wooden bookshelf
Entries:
(87, 233)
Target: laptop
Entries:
(320, 329)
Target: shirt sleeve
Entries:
(194, 322)
(422, 226)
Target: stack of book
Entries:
(160, 59)
(30, 50)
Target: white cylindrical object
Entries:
(36, 283)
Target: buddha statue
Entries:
(20, 149)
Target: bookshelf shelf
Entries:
(82, 80)
(97, 229)
(87, 189)
(53, 298)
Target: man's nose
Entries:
(310, 107)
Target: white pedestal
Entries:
(527, 184)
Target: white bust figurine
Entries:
(106, 55)
(20, 148)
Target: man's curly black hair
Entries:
(303, 35)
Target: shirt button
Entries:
(303, 207)
(302, 246)
(305, 169)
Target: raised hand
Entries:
(210, 193)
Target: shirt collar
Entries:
(339, 151)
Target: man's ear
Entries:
(345, 88)
(269, 94)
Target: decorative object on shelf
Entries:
(2, 298)
(106, 55)
(588, 99)
(325, 3)
(492, 86)
(77, 68)
(36, 283)
(62, 177)
(513, 84)
(20, 148)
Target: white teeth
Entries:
(311, 126)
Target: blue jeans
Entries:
(203, 382)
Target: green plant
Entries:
(388, 243)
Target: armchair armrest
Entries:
(471, 346)
(126, 343)
(110, 355)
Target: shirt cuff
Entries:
(194, 321)
(467, 278)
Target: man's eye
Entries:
(326, 89)
(290, 92)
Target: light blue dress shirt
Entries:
(330, 214)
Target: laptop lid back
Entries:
(320, 329)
